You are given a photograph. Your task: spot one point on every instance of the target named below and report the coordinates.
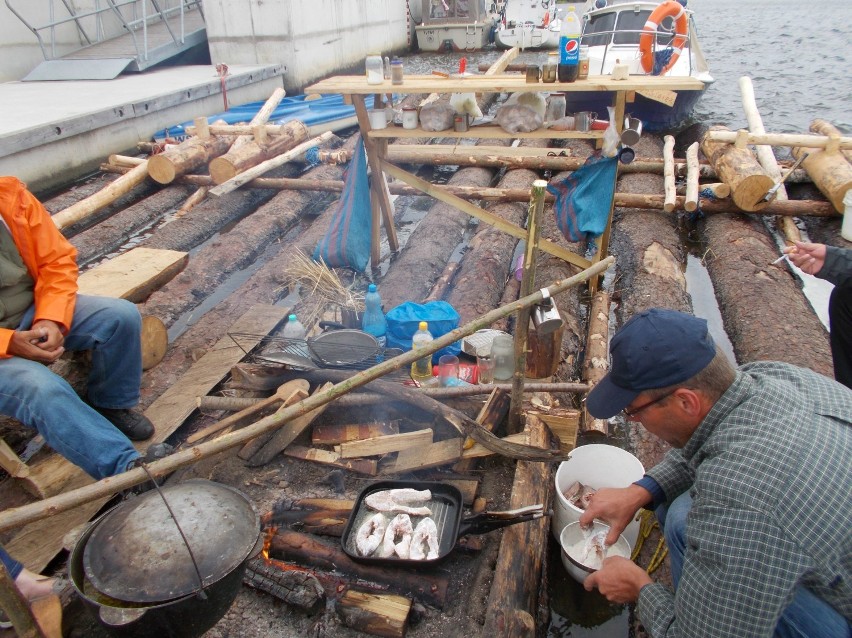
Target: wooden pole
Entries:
(227, 166)
(691, 202)
(15, 517)
(86, 207)
(596, 361)
(777, 139)
(14, 604)
(823, 127)
(523, 322)
(261, 117)
(668, 173)
(766, 157)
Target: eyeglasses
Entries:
(632, 413)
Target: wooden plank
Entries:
(345, 432)
(483, 215)
(563, 424)
(369, 467)
(172, 408)
(478, 451)
(10, 462)
(133, 275)
(375, 614)
(379, 445)
(439, 453)
(500, 83)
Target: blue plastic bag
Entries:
(584, 198)
(404, 320)
(347, 241)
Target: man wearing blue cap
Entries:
(755, 498)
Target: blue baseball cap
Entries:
(655, 349)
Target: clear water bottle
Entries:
(421, 370)
(569, 47)
(374, 321)
(293, 329)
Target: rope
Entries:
(647, 523)
(312, 156)
(661, 59)
(222, 70)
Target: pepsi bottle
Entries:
(569, 47)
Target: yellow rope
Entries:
(658, 557)
(647, 523)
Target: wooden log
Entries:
(12, 601)
(11, 463)
(596, 361)
(287, 434)
(373, 613)
(425, 584)
(691, 202)
(251, 153)
(370, 467)
(740, 170)
(333, 434)
(249, 173)
(442, 285)
(431, 455)
(261, 117)
(196, 198)
(104, 197)
(296, 587)
(831, 172)
(668, 173)
(544, 353)
(477, 451)
(563, 423)
(725, 136)
(490, 416)
(823, 127)
(190, 154)
(322, 516)
(155, 341)
(524, 547)
(765, 156)
(379, 445)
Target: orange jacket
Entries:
(48, 256)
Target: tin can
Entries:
(584, 63)
(461, 123)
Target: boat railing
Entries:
(98, 23)
(662, 40)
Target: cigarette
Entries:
(780, 259)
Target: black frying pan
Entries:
(447, 507)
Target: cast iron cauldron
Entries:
(134, 572)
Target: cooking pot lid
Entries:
(137, 554)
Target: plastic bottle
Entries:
(421, 370)
(569, 47)
(375, 69)
(293, 329)
(374, 321)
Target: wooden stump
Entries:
(190, 154)
(739, 168)
(831, 172)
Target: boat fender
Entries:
(668, 9)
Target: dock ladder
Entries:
(108, 37)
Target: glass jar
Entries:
(583, 71)
(503, 354)
(396, 71)
(548, 71)
(375, 69)
(556, 106)
(409, 117)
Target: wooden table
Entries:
(354, 88)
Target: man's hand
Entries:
(619, 580)
(809, 257)
(42, 343)
(616, 507)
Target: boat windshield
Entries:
(602, 29)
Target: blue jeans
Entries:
(12, 566)
(807, 616)
(40, 399)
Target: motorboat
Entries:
(622, 32)
(455, 25)
(528, 24)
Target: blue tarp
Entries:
(584, 198)
(326, 108)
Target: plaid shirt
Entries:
(770, 474)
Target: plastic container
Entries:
(596, 465)
(569, 46)
(846, 226)
(421, 370)
(409, 117)
(374, 321)
(375, 69)
(503, 353)
(378, 118)
(396, 71)
(293, 329)
(555, 107)
(572, 534)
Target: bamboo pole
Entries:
(766, 157)
(18, 516)
(522, 324)
(86, 207)
(779, 139)
(691, 202)
(668, 174)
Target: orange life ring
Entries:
(668, 9)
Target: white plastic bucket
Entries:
(846, 226)
(597, 466)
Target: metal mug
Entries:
(626, 155)
(546, 317)
(533, 73)
(632, 131)
(583, 120)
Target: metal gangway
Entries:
(100, 39)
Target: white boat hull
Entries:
(527, 37)
(453, 37)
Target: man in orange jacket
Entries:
(41, 316)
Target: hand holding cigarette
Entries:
(806, 256)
